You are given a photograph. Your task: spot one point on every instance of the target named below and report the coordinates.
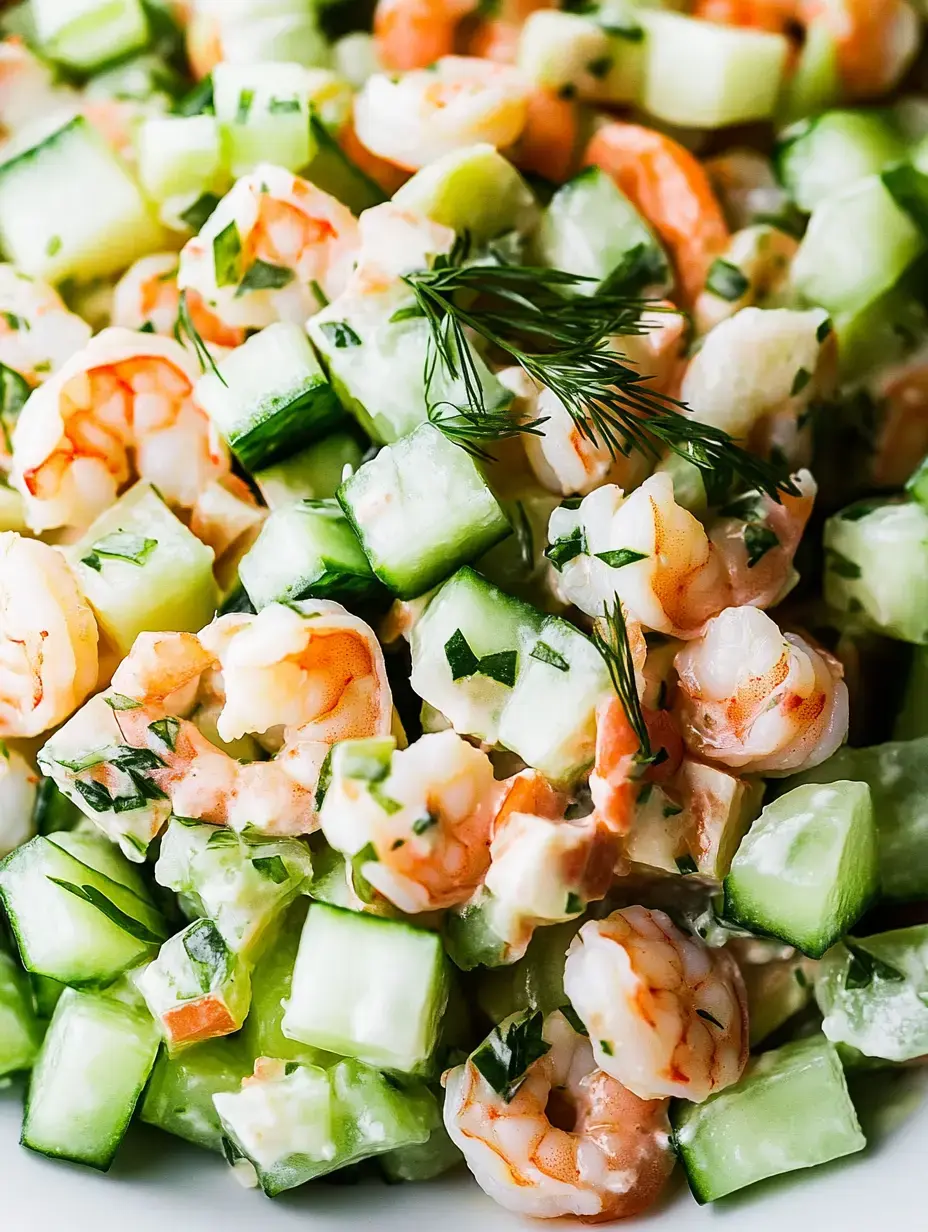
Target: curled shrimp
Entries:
(431, 842)
(759, 700)
(147, 297)
(667, 1016)
(901, 397)
(571, 1141)
(270, 238)
(762, 255)
(48, 638)
(774, 16)
(548, 145)
(119, 409)
(618, 773)
(37, 332)
(671, 190)
(461, 101)
(410, 34)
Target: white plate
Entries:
(160, 1185)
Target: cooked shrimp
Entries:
(37, 332)
(746, 187)
(875, 40)
(901, 396)
(428, 822)
(268, 240)
(548, 145)
(226, 517)
(618, 773)
(671, 190)
(412, 34)
(413, 119)
(48, 638)
(762, 256)
(757, 373)
(147, 298)
(387, 175)
(28, 89)
(18, 784)
(773, 16)
(120, 408)
(757, 699)
(571, 1141)
(667, 1016)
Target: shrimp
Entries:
(270, 238)
(757, 373)
(37, 332)
(147, 298)
(120, 408)
(901, 396)
(757, 699)
(411, 34)
(413, 119)
(426, 818)
(48, 638)
(618, 775)
(548, 144)
(666, 1015)
(18, 786)
(671, 190)
(773, 16)
(227, 518)
(746, 187)
(570, 1141)
(28, 89)
(762, 256)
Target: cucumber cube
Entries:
(791, 1110)
(807, 869)
(72, 923)
(739, 78)
(367, 987)
(876, 565)
(577, 56)
(413, 540)
(467, 634)
(308, 550)
(822, 274)
(20, 1034)
(334, 172)
(873, 993)
(179, 1098)
(475, 190)
(143, 570)
(591, 228)
(181, 157)
(70, 209)
(829, 153)
(84, 34)
(270, 398)
(87, 1079)
(315, 473)
(263, 110)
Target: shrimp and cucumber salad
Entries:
(464, 586)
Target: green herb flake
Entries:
(166, 731)
(686, 865)
(566, 548)
(461, 659)
(865, 968)
(620, 557)
(196, 215)
(96, 898)
(120, 545)
(842, 565)
(284, 106)
(424, 823)
(15, 322)
(271, 867)
(574, 904)
(340, 334)
(245, 100)
(759, 539)
(672, 810)
(507, 1054)
(227, 256)
(409, 312)
(119, 701)
(824, 331)
(547, 654)
(574, 1019)
(95, 794)
(501, 667)
(606, 1047)
(362, 887)
(727, 281)
(800, 382)
(707, 1017)
(857, 511)
(600, 67)
(53, 247)
(208, 953)
(14, 393)
(387, 803)
(262, 276)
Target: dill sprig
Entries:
(610, 637)
(563, 342)
(185, 331)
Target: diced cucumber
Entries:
(88, 1077)
(422, 1161)
(550, 718)
(791, 1110)
(873, 993)
(307, 550)
(46, 994)
(377, 365)
(239, 884)
(270, 989)
(535, 982)
(263, 110)
(20, 1034)
(876, 565)
(883, 333)
(315, 473)
(70, 209)
(333, 171)
(471, 614)
(196, 989)
(475, 190)
(807, 869)
(411, 539)
(273, 33)
(142, 569)
(777, 989)
(739, 77)
(179, 1098)
(270, 397)
(815, 83)
(897, 775)
(143, 78)
(366, 987)
(590, 228)
(912, 719)
(92, 848)
(181, 162)
(586, 56)
(70, 922)
(322, 1120)
(821, 273)
(83, 34)
(829, 153)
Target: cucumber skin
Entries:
(285, 429)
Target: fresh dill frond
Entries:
(610, 637)
(185, 331)
(564, 343)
